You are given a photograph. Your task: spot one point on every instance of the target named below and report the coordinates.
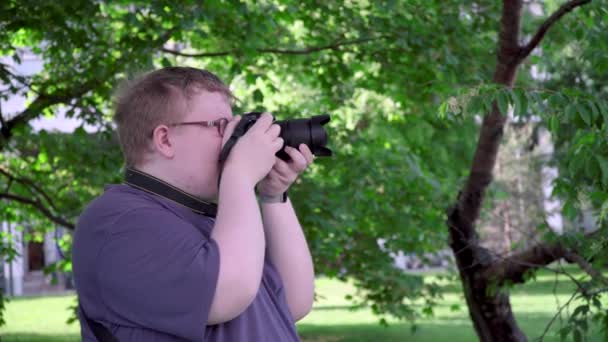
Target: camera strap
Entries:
(238, 132)
(155, 186)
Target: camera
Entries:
(294, 132)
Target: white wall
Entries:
(14, 270)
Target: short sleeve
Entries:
(158, 272)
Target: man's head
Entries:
(150, 112)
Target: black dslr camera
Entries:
(294, 132)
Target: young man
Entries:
(155, 259)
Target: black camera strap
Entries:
(239, 131)
(155, 186)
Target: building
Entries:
(23, 274)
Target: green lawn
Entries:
(43, 319)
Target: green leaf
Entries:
(487, 99)
(554, 124)
(165, 62)
(258, 96)
(570, 112)
(604, 111)
(475, 105)
(521, 102)
(603, 162)
(584, 113)
(503, 102)
(569, 210)
(443, 109)
(580, 310)
(594, 112)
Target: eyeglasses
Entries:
(219, 123)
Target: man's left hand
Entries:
(283, 174)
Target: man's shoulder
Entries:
(120, 203)
(119, 198)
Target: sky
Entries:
(15, 104)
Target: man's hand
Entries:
(253, 154)
(283, 174)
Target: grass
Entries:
(43, 319)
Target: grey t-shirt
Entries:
(146, 268)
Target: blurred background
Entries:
(467, 195)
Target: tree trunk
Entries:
(490, 311)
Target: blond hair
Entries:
(157, 97)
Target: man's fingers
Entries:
(281, 167)
(276, 176)
(277, 144)
(263, 123)
(298, 162)
(274, 131)
(282, 172)
(307, 153)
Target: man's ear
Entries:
(162, 143)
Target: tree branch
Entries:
(302, 51)
(542, 30)
(77, 90)
(585, 266)
(40, 207)
(514, 267)
(41, 102)
(30, 184)
(557, 314)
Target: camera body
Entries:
(294, 132)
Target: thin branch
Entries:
(44, 101)
(30, 184)
(209, 54)
(586, 266)
(544, 27)
(40, 207)
(557, 303)
(558, 313)
(19, 78)
(303, 51)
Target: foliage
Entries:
(404, 81)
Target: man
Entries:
(151, 263)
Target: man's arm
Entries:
(289, 253)
(238, 228)
(287, 246)
(238, 232)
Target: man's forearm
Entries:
(289, 253)
(239, 234)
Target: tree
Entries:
(481, 273)
(404, 82)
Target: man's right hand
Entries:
(253, 155)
